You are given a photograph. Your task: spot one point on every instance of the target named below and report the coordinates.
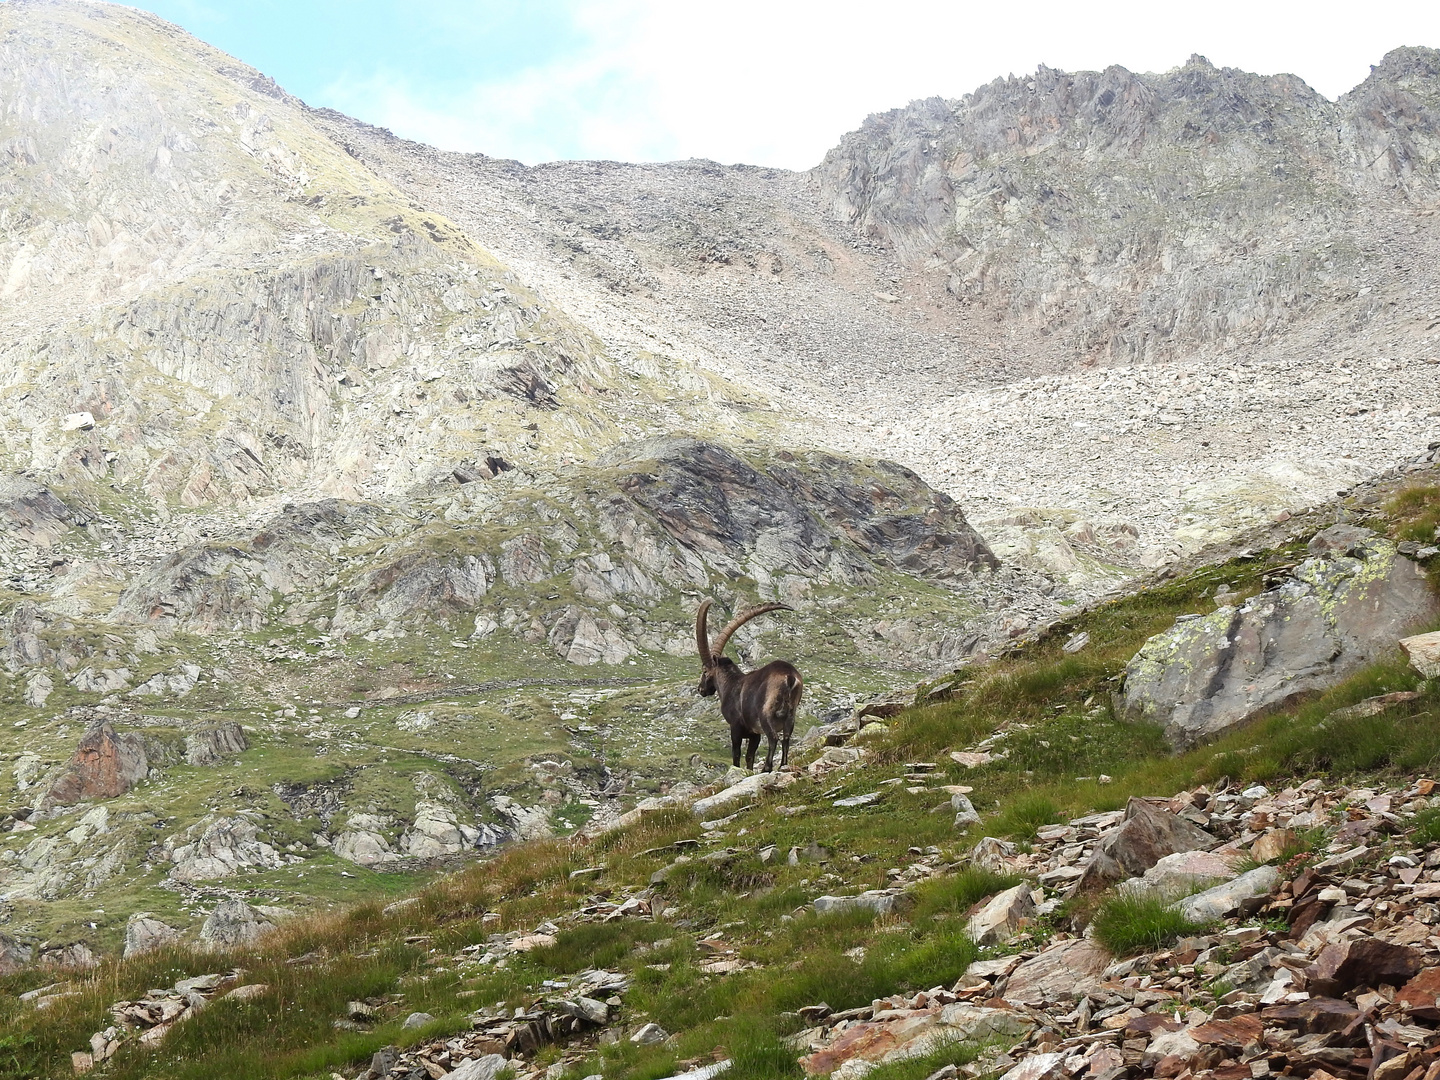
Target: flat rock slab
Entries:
(880, 901)
(1062, 972)
(1229, 897)
(745, 789)
(1341, 609)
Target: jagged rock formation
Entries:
(104, 765)
(1341, 609)
(209, 745)
(1144, 216)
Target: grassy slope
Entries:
(1055, 709)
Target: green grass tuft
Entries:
(1129, 925)
(955, 894)
(1427, 827)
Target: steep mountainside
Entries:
(1223, 276)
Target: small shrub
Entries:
(1127, 925)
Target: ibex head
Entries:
(712, 657)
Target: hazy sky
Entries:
(768, 82)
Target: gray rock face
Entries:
(1342, 608)
(219, 849)
(963, 183)
(210, 745)
(787, 516)
(233, 923)
(33, 513)
(1228, 897)
(144, 933)
(14, 955)
(363, 840)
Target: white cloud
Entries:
(776, 82)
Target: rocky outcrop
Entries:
(233, 924)
(219, 848)
(969, 185)
(14, 954)
(177, 683)
(211, 745)
(363, 840)
(105, 765)
(584, 639)
(436, 832)
(1342, 608)
(145, 933)
(796, 516)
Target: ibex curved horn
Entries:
(740, 620)
(702, 636)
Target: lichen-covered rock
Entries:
(1341, 609)
(104, 765)
(209, 745)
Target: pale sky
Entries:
(764, 82)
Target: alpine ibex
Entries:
(763, 701)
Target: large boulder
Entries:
(1341, 609)
(1148, 834)
(145, 933)
(210, 745)
(231, 924)
(104, 765)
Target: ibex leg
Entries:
(736, 738)
(754, 745)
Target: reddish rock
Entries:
(1234, 1034)
(103, 766)
(1319, 1014)
(870, 1041)
(1344, 965)
(1062, 972)
(1422, 995)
